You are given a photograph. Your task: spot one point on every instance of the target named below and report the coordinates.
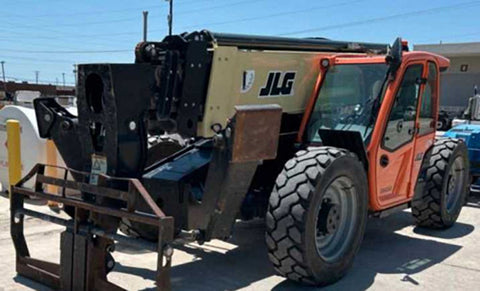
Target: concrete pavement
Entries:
(395, 255)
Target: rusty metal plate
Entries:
(256, 132)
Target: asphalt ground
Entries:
(395, 255)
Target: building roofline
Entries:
(465, 49)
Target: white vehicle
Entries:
(25, 97)
(472, 113)
(33, 148)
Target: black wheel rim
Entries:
(455, 184)
(335, 221)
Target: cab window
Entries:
(427, 107)
(401, 122)
(345, 99)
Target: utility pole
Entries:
(63, 76)
(3, 71)
(56, 81)
(170, 17)
(75, 73)
(36, 76)
(4, 78)
(145, 25)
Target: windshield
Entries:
(345, 99)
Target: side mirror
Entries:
(394, 58)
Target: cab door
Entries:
(426, 120)
(396, 151)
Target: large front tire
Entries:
(317, 215)
(446, 174)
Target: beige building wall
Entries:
(458, 81)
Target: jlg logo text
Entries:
(278, 84)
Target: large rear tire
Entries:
(446, 174)
(317, 215)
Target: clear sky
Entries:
(50, 36)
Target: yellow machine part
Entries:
(229, 66)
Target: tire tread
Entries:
(293, 188)
(426, 207)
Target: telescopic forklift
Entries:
(206, 128)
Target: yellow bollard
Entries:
(14, 155)
(51, 171)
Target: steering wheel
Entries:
(358, 111)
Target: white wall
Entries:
(457, 86)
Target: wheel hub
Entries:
(329, 217)
(335, 223)
(455, 184)
(451, 184)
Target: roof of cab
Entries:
(442, 61)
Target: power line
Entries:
(39, 60)
(103, 11)
(238, 20)
(276, 15)
(39, 44)
(132, 19)
(219, 6)
(77, 35)
(21, 79)
(128, 19)
(451, 36)
(31, 63)
(383, 18)
(361, 22)
(63, 35)
(98, 12)
(285, 13)
(68, 52)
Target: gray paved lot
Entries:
(395, 255)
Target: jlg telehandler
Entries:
(312, 134)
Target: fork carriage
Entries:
(90, 233)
